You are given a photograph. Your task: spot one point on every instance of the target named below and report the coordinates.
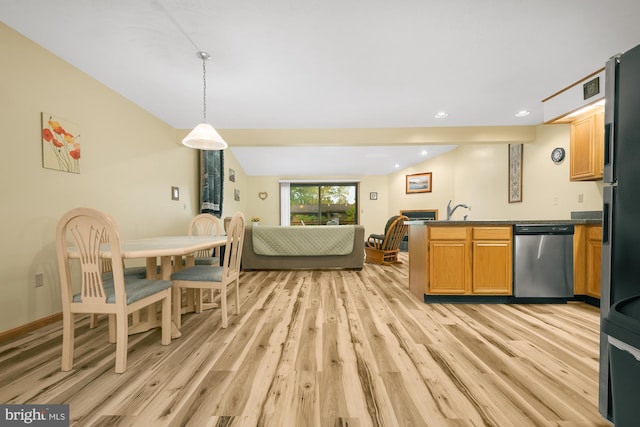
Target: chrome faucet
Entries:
(451, 210)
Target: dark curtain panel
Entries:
(211, 181)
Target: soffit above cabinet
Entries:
(565, 105)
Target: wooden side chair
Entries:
(214, 276)
(85, 229)
(203, 224)
(107, 275)
(381, 249)
(206, 225)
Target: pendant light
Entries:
(204, 136)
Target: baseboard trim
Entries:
(587, 300)
(29, 327)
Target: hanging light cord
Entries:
(172, 19)
(204, 85)
(202, 55)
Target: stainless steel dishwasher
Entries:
(543, 261)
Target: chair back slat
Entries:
(105, 262)
(233, 247)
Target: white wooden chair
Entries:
(85, 229)
(203, 224)
(107, 275)
(206, 225)
(214, 276)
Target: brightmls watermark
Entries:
(34, 415)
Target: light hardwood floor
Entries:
(327, 348)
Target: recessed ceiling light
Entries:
(522, 113)
(397, 165)
(423, 153)
(441, 115)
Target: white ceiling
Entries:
(367, 160)
(310, 64)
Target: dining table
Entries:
(170, 250)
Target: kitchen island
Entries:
(473, 260)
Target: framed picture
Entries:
(515, 173)
(60, 144)
(175, 193)
(373, 195)
(232, 175)
(419, 183)
(236, 194)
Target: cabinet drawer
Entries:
(447, 233)
(491, 233)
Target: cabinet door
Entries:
(587, 146)
(492, 267)
(594, 261)
(448, 267)
(581, 155)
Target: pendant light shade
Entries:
(204, 136)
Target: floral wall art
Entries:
(60, 144)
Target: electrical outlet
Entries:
(39, 279)
(580, 198)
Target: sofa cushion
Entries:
(303, 241)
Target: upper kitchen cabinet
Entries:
(581, 105)
(587, 146)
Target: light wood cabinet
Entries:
(478, 260)
(470, 261)
(594, 261)
(587, 147)
(449, 260)
(491, 261)
(587, 260)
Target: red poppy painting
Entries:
(60, 144)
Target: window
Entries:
(319, 203)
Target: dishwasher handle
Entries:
(543, 229)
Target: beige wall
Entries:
(477, 174)
(130, 161)
(373, 213)
(474, 174)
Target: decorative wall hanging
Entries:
(515, 173)
(263, 195)
(419, 183)
(211, 181)
(232, 175)
(60, 144)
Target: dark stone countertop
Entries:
(490, 222)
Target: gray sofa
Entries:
(303, 247)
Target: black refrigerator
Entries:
(621, 198)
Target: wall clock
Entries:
(557, 155)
